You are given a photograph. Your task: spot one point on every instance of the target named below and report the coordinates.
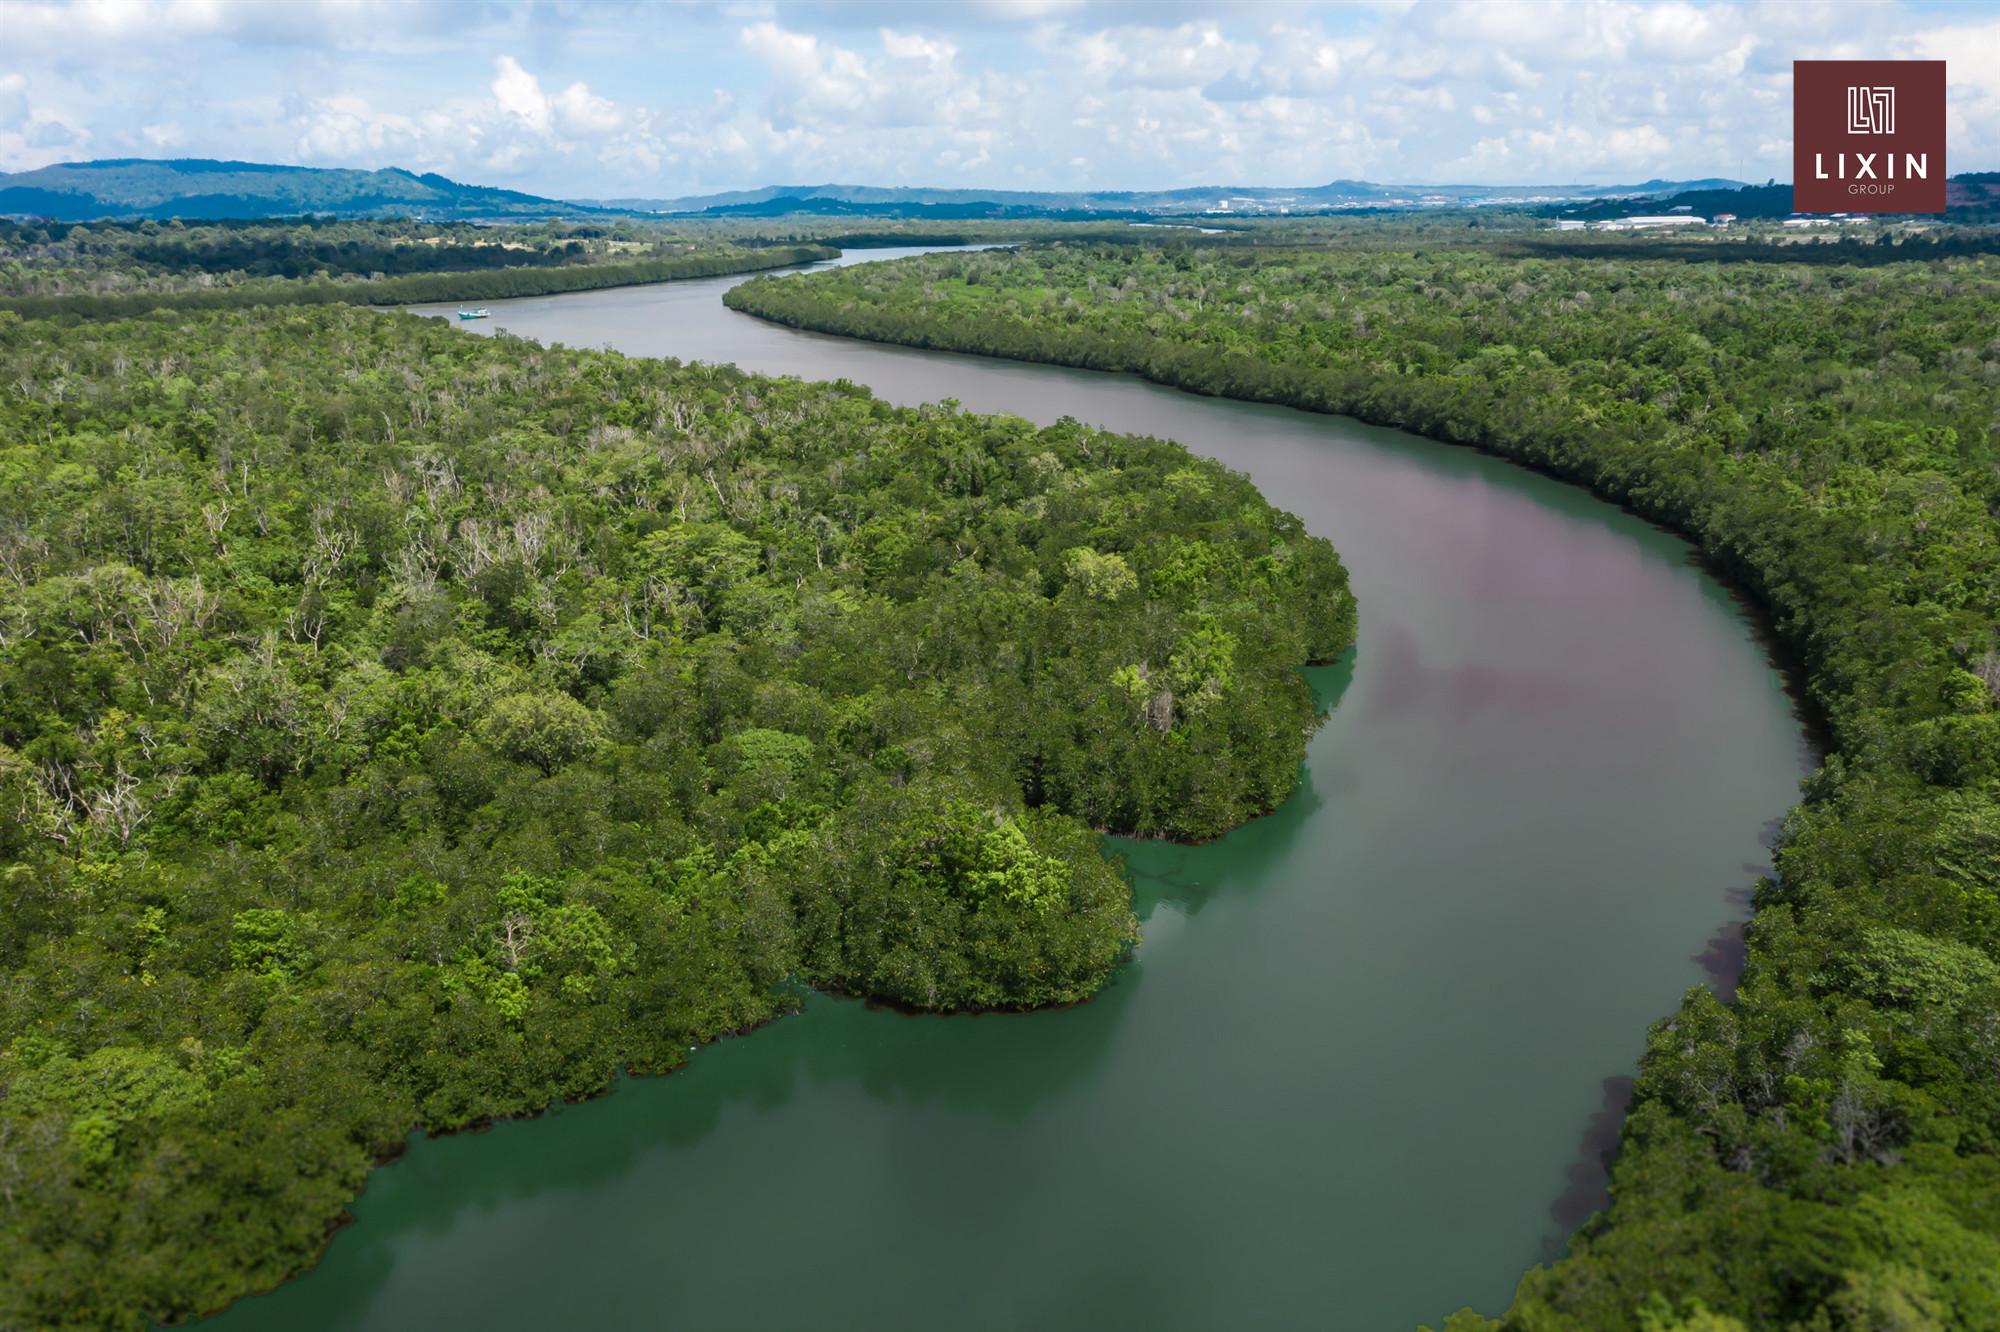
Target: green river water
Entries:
(1359, 1071)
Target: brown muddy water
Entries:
(1358, 1073)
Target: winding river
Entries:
(1359, 1072)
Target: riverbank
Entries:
(1348, 1066)
(412, 289)
(1824, 438)
(549, 714)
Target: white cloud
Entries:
(517, 126)
(608, 98)
(519, 94)
(1973, 73)
(32, 134)
(124, 28)
(344, 129)
(1028, 9)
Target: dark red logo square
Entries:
(1868, 136)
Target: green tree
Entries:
(547, 730)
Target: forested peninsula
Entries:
(110, 270)
(1822, 1152)
(402, 729)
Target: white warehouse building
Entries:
(1642, 223)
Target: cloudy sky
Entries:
(583, 99)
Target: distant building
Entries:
(1570, 225)
(1722, 219)
(1670, 220)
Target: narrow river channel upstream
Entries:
(1357, 1075)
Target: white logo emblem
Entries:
(1871, 110)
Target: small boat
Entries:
(481, 313)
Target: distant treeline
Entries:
(403, 729)
(420, 288)
(982, 210)
(991, 231)
(290, 248)
(1819, 248)
(44, 257)
(1762, 201)
(305, 257)
(1751, 201)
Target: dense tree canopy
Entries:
(46, 258)
(399, 728)
(1824, 1151)
(109, 269)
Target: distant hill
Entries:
(1970, 198)
(878, 200)
(132, 187)
(885, 201)
(1665, 188)
(791, 205)
(1973, 197)
(1747, 202)
(198, 187)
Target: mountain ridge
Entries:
(1186, 199)
(164, 188)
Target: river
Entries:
(1358, 1072)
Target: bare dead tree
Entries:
(477, 548)
(174, 607)
(332, 543)
(438, 476)
(518, 932)
(415, 566)
(119, 810)
(1987, 668)
(531, 536)
(21, 551)
(215, 517)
